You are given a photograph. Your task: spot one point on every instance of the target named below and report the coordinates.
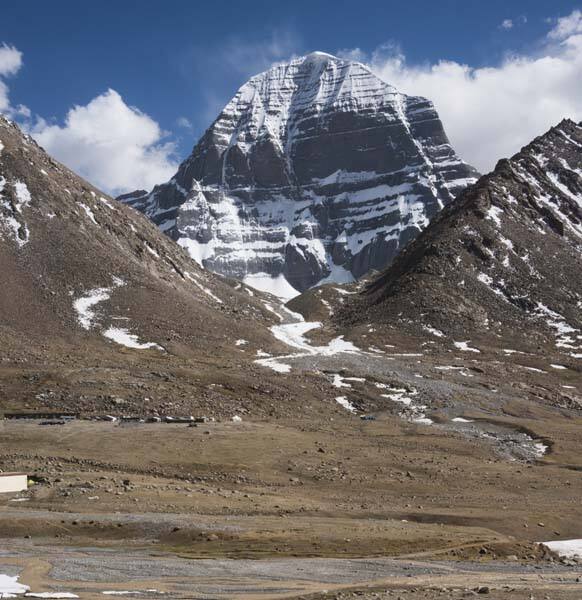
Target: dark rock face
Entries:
(504, 257)
(315, 170)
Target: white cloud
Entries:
(251, 57)
(356, 54)
(184, 122)
(115, 146)
(508, 24)
(491, 112)
(4, 101)
(10, 63)
(567, 26)
(10, 60)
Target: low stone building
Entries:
(13, 482)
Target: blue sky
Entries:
(180, 61)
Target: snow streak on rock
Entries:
(14, 197)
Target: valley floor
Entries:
(280, 509)
(393, 469)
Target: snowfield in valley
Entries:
(293, 334)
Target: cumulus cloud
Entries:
(115, 146)
(567, 26)
(506, 24)
(10, 64)
(10, 60)
(491, 112)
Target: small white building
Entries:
(13, 482)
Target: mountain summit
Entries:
(316, 170)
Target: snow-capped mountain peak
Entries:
(316, 170)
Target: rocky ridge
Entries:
(504, 258)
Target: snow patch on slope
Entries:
(345, 403)
(9, 586)
(464, 347)
(566, 548)
(84, 306)
(124, 338)
(87, 316)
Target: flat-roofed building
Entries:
(13, 482)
